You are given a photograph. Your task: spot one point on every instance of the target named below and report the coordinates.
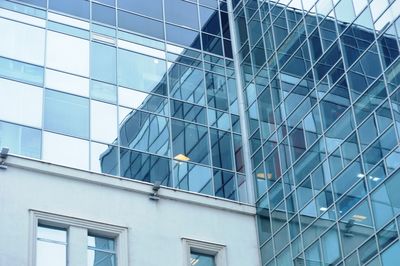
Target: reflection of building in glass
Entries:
(323, 128)
(296, 100)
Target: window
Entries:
(201, 253)
(197, 258)
(62, 241)
(101, 251)
(51, 246)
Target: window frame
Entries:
(118, 233)
(206, 248)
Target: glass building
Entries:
(292, 106)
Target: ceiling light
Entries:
(323, 209)
(374, 178)
(181, 157)
(260, 176)
(359, 218)
(360, 175)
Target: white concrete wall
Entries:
(155, 228)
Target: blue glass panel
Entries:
(209, 20)
(190, 142)
(103, 14)
(66, 114)
(182, 13)
(221, 147)
(145, 167)
(391, 256)
(151, 8)
(103, 62)
(141, 72)
(21, 140)
(21, 71)
(103, 91)
(146, 132)
(224, 183)
(41, 3)
(192, 177)
(79, 8)
(188, 112)
(183, 36)
(140, 24)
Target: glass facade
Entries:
(299, 99)
(141, 90)
(321, 86)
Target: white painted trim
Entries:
(209, 248)
(120, 233)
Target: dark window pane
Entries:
(187, 83)
(183, 36)
(151, 8)
(221, 147)
(182, 13)
(187, 111)
(212, 44)
(79, 8)
(224, 183)
(216, 91)
(145, 167)
(140, 24)
(66, 114)
(209, 21)
(192, 177)
(189, 142)
(146, 132)
(103, 14)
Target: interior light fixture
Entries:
(374, 178)
(181, 157)
(360, 175)
(359, 218)
(260, 176)
(323, 209)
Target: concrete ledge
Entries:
(165, 193)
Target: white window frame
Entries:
(77, 250)
(204, 247)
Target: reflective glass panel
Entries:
(67, 53)
(192, 177)
(146, 132)
(66, 114)
(16, 35)
(145, 167)
(20, 140)
(200, 259)
(141, 72)
(182, 13)
(21, 103)
(189, 142)
(65, 150)
(103, 62)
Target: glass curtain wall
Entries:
(321, 86)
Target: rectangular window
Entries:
(101, 251)
(66, 241)
(197, 258)
(51, 246)
(201, 253)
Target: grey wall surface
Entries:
(155, 228)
